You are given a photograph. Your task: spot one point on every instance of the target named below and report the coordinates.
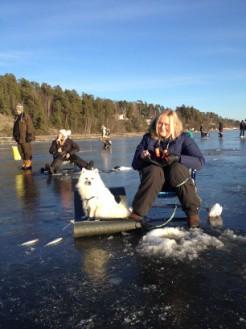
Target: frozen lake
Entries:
(178, 280)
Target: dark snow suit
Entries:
(23, 134)
(155, 177)
(69, 147)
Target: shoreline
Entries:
(47, 138)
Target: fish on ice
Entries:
(29, 243)
(53, 242)
(121, 168)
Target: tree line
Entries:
(54, 108)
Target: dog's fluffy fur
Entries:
(98, 201)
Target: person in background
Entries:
(106, 137)
(189, 132)
(163, 159)
(103, 131)
(221, 128)
(242, 127)
(203, 133)
(23, 134)
(63, 148)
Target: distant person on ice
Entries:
(103, 131)
(64, 149)
(106, 137)
(203, 133)
(242, 127)
(221, 128)
(164, 157)
(23, 134)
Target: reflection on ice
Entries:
(215, 221)
(95, 264)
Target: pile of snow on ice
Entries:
(232, 236)
(215, 210)
(177, 243)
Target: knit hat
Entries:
(20, 107)
(65, 133)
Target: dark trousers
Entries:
(57, 162)
(154, 179)
(25, 150)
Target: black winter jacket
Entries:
(69, 146)
(183, 146)
(23, 130)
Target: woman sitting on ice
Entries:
(164, 157)
(63, 148)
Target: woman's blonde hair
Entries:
(176, 126)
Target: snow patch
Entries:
(177, 243)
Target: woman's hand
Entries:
(170, 158)
(145, 154)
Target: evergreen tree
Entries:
(51, 107)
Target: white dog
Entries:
(98, 201)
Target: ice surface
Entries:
(170, 278)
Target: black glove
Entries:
(158, 162)
(170, 159)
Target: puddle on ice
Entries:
(181, 244)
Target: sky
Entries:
(167, 52)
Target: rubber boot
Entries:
(193, 221)
(28, 164)
(135, 217)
